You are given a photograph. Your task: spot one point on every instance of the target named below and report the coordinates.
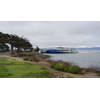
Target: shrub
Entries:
(66, 69)
(59, 66)
(74, 69)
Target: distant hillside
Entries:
(89, 49)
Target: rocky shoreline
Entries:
(58, 69)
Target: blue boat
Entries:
(59, 50)
(54, 51)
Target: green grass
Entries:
(11, 68)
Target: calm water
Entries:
(83, 59)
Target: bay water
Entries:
(84, 58)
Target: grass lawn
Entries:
(12, 68)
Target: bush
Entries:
(59, 66)
(66, 67)
(74, 69)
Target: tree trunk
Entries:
(12, 51)
(18, 50)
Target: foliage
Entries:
(15, 41)
(61, 66)
(74, 69)
(58, 66)
(4, 47)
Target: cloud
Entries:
(55, 33)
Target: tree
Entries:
(4, 47)
(19, 43)
(15, 41)
(37, 49)
(4, 39)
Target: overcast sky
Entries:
(55, 33)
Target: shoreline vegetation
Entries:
(21, 60)
(35, 65)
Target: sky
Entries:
(56, 33)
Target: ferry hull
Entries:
(57, 51)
